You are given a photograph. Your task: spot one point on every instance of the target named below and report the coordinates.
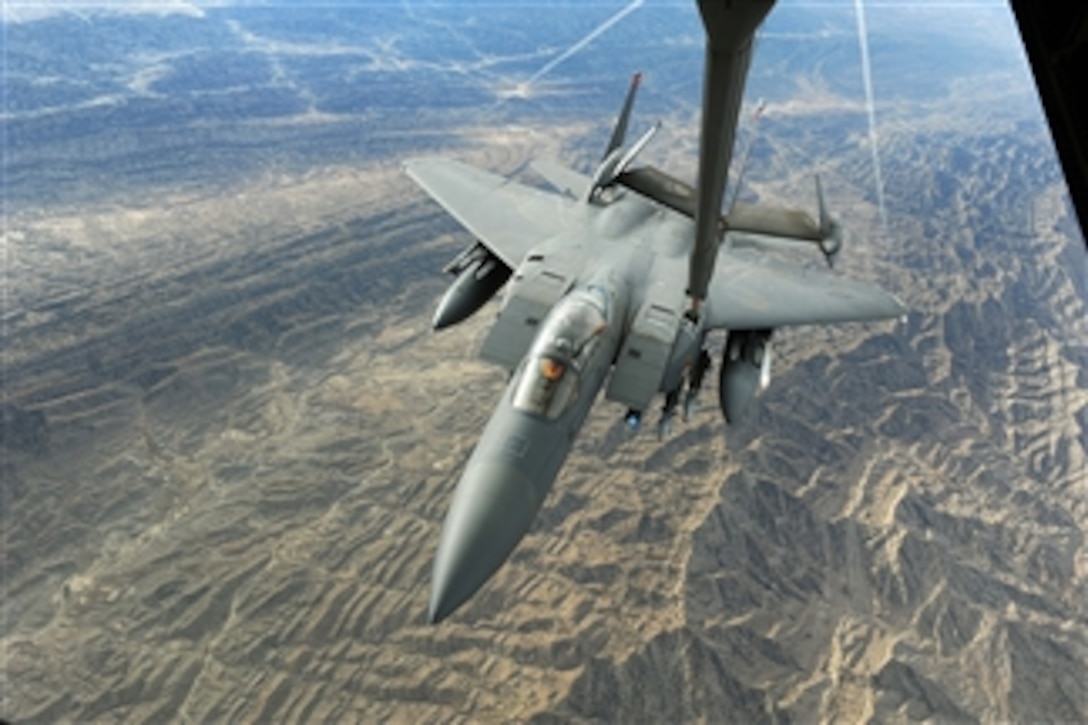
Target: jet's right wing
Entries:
(509, 218)
(754, 291)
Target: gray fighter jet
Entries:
(615, 280)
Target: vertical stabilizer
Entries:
(619, 131)
(616, 158)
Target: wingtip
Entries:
(417, 161)
(409, 165)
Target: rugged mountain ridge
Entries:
(229, 437)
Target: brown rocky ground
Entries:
(230, 439)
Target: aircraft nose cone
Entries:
(492, 508)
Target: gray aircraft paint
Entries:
(625, 242)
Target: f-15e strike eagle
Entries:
(597, 298)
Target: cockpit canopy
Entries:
(550, 377)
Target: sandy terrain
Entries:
(230, 439)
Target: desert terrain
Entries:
(229, 438)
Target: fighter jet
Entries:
(614, 281)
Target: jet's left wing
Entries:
(752, 291)
(507, 217)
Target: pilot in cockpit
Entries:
(550, 380)
(551, 368)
